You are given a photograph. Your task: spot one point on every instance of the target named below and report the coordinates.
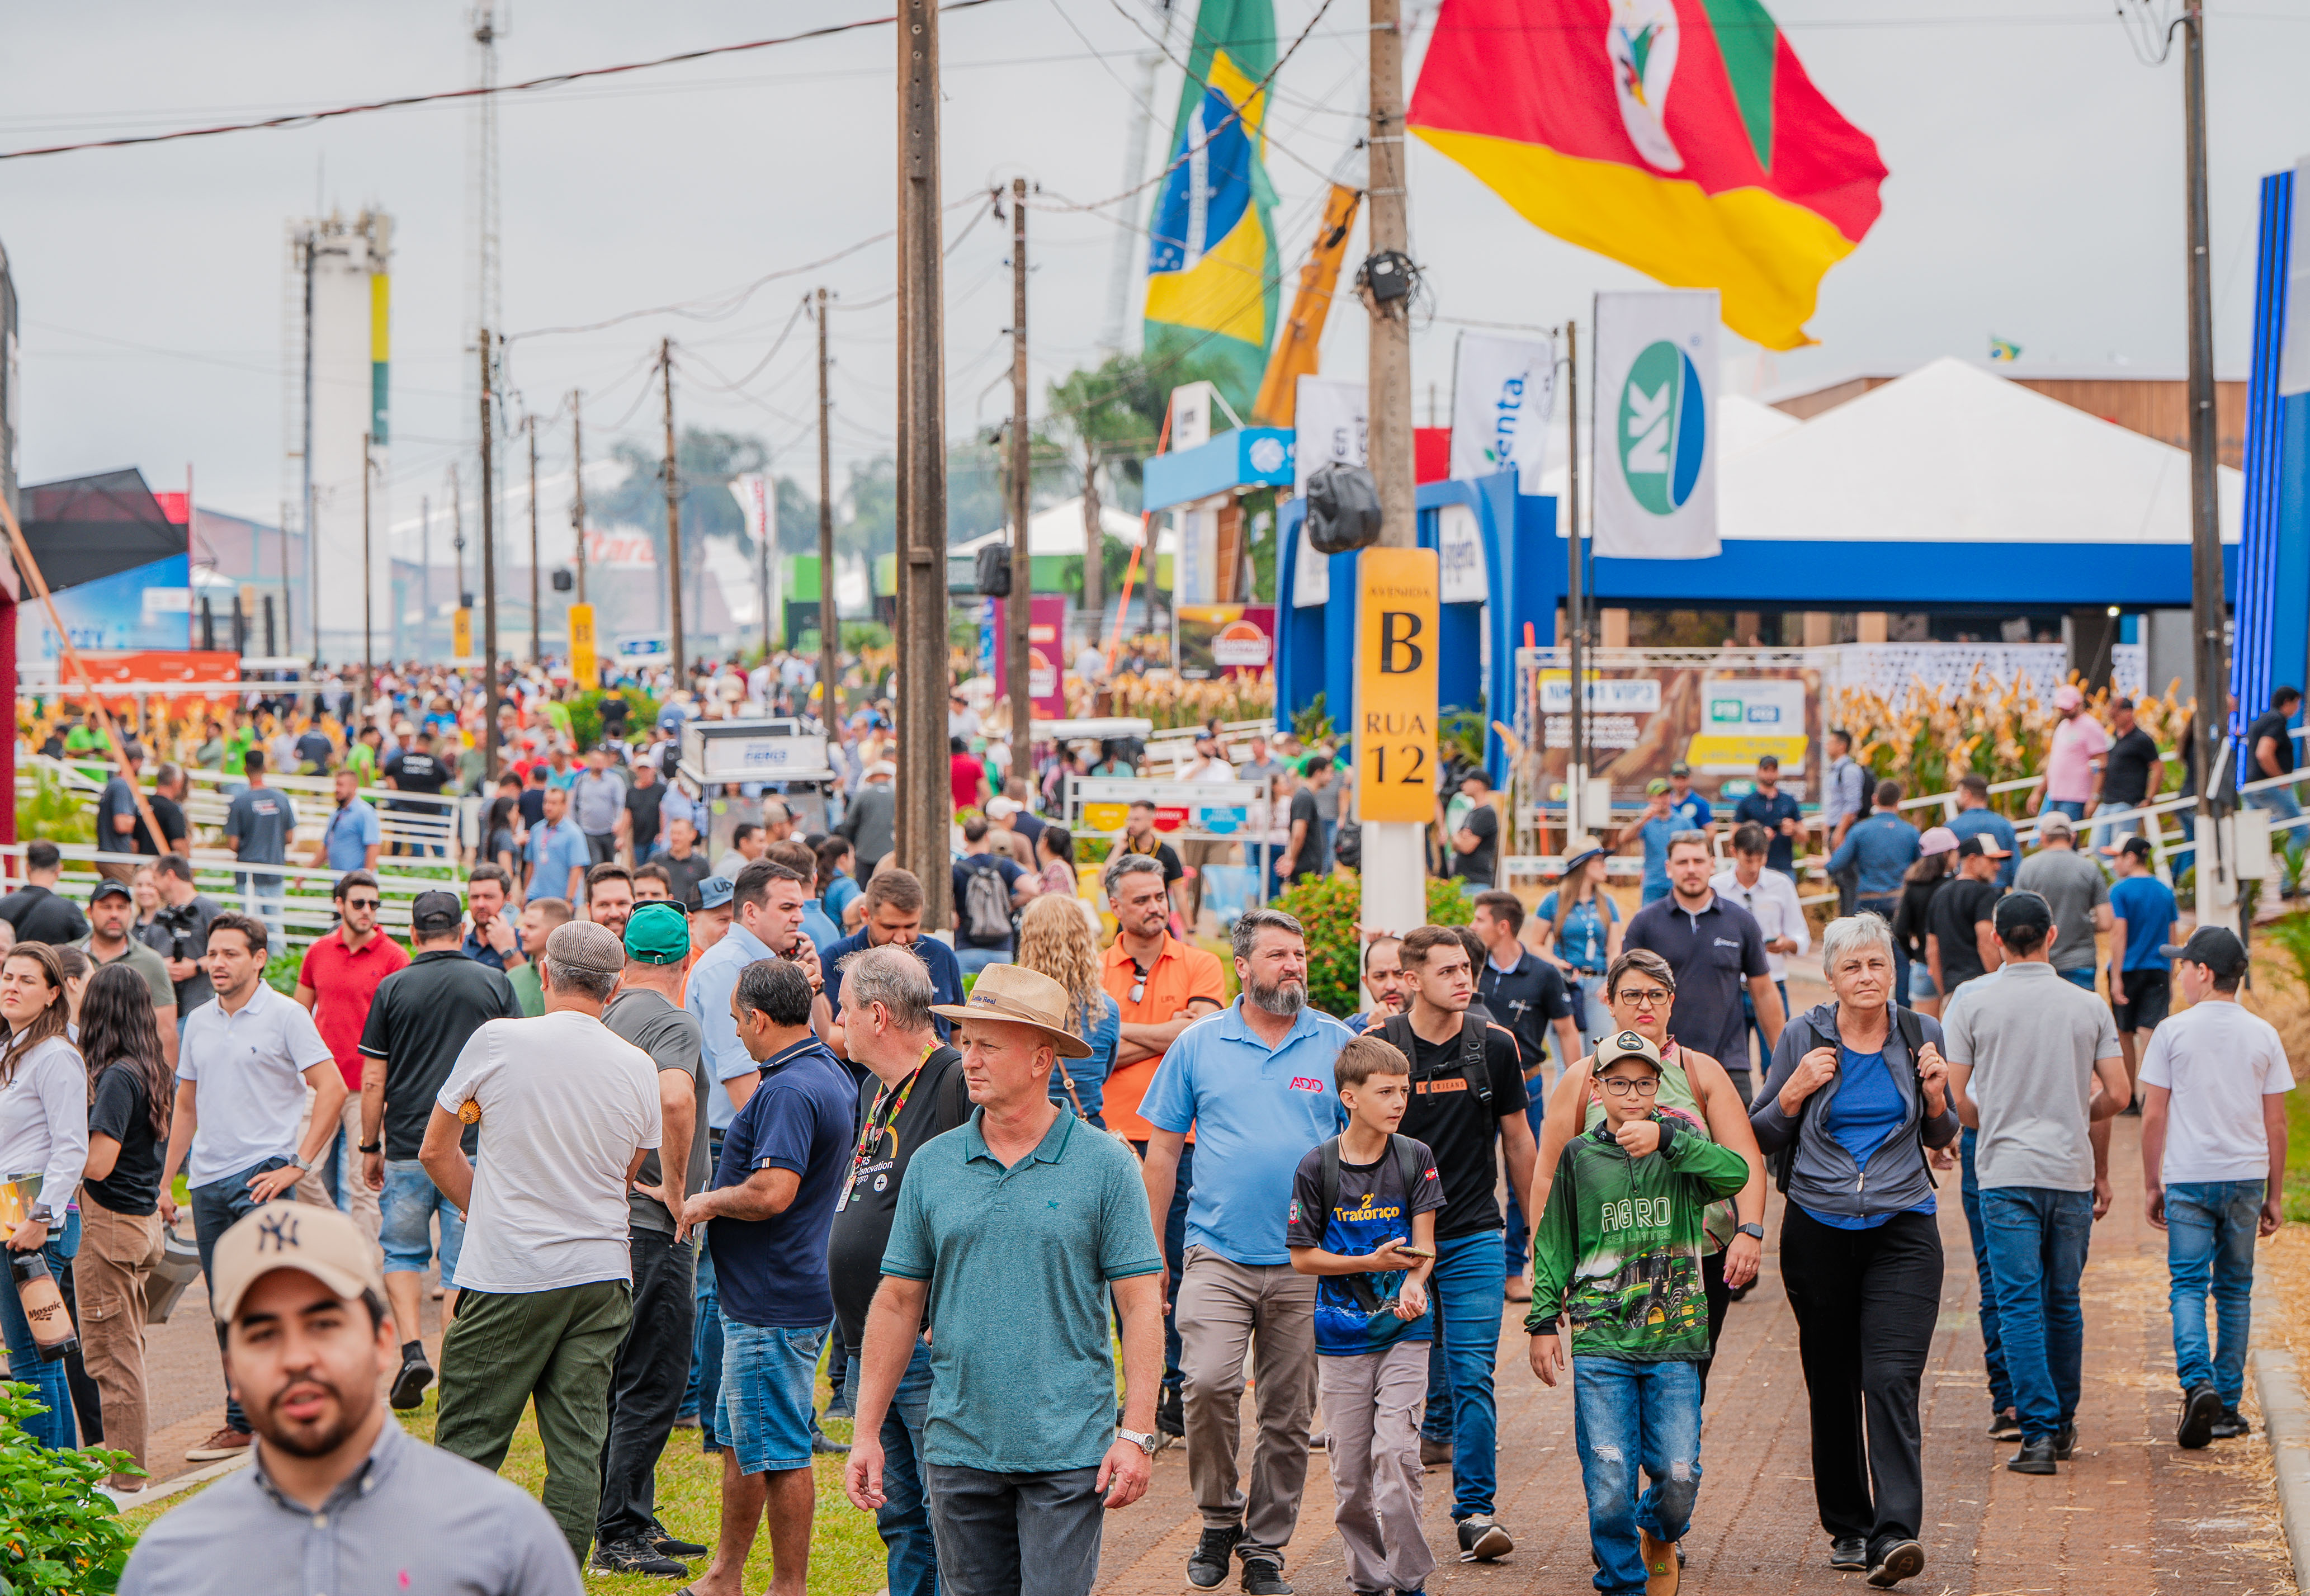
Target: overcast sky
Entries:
(2035, 194)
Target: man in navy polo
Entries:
(1714, 946)
(1777, 811)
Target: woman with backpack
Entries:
(1857, 1092)
(1936, 864)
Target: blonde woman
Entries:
(1054, 939)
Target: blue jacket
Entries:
(1882, 847)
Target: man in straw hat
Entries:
(1012, 1232)
(335, 1485)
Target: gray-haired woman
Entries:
(1856, 1094)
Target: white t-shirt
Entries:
(247, 1071)
(2219, 1062)
(565, 1103)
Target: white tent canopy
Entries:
(1058, 530)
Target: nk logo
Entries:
(1662, 430)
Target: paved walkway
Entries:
(2131, 1514)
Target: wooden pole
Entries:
(830, 624)
(1390, 372)
(488, 571)
(1018, 607)
(536, 607)
(578, 485)
(672, 522)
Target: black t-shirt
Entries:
(1714, 953)
(1031, 827)
(532, 806)
(40, 915)
(123, 1110)
(120, 799)
(421, 1019)
(686, 873)
(1164, 854)
(1525, 999)
(1482, 863)
(313, 747)
(415, 772)
(2272, 726)
(2125, 777)
(1957, 907)
(1452, 1120)
(936, 1104)
(642, 804)
(181, 933)
(1310, 861)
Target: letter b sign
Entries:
(1400, 649)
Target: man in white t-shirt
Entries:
(2213, 1169)
(566, 1109)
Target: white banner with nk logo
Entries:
(1656, 425)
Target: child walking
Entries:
(1618, 1255)
(1363, 1220)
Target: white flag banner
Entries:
(1331, 426)
(1656, 468)
(1502, 396)
(1311, 572)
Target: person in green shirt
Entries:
(244, 737)
(1617, 1256)
(82, 738)
(360, 756)
(540, 918)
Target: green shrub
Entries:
(60, 1535)
(1329, 909)
(55, 811)
(585, 714)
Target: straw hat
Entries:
(1017, 995)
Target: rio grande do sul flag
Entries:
(1680, 136)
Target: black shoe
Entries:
(409, 1385)
(2005, 1426)
(1207, 1564)
(668, 1545)
(2201, 1410)
(1263, 1575)
(2036, 1457)
(1482, 1540)
(1896, 1562)
(2231, 1424)
(2065, 1442)
(1849, 1553)
(631, 1556)
(1170, 1415)
(828, 1447)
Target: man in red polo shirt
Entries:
(337, 982)
(1162, 986)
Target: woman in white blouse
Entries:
(43, 1133)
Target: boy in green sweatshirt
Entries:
(1618, 1255)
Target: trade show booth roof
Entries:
(1057, 531)
(84, 528)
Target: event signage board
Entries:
(1502, 396)
(1224, 641)
(1644, 717)
(1100, 805)
(1047, 621)
(1656, 425)
(461, 633)
(585, 664)
(1396, 684)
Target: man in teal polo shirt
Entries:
(1254, 1081)
(1011, 1233)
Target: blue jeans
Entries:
(264, 896)
(1993, 1350)
(1466, 1289)
(2281, 802)
(2083, 978)
(53, 1429)
(2038, 1243)
(2075, 808)
(216, 1207)
(1626, 1414)
(1762, 1049)
(1175, 1259)
(705, 1352)
(1519, 1237)
(407, 1206)
(1596, 1021)
(903, 1519)
(975, 960)
(2210, 1229)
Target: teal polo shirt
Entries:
(1255, 1113)
(1020, 1261)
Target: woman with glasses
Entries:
(1579, 929)
(43, 1141)
(1638, 992)
(1856, 1094)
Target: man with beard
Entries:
(610, 896)
(335, 1486)
(1253, 1082)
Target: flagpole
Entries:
(1576, 766)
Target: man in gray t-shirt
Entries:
(596, 799)
(257, 827)
(2073, 886)
(2035, 1068)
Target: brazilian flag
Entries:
(1211, 276)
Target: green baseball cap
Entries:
(658, 934)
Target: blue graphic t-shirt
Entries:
(1373, 1209)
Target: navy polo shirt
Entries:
(1525, 1000)
(1714, 953)
(771, 1272)
(1780, 852)
(938, 959)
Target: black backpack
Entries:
(1397, 1032)
(1408, 1171)
(1912, 1037)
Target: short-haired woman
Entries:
(43, 1131)
(1579, 932)
(1857, 1092)
(1054, 939)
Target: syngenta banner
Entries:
(1656, 425)
(1503, 395)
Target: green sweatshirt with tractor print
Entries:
(1618, 1251)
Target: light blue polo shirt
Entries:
(712, 979)
(1254, 1114)
(553, 850)
(353, 828)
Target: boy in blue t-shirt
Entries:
(1371, 1243)
(2141, 978)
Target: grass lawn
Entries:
(2297, 1156)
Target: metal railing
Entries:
(408, 819)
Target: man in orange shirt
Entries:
(1162, 986)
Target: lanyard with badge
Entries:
(870, 1133)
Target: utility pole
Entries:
(1389, 404)
(926, 805)
(488, 574)
(578, 484)
(830, 624)
(1017, 608)
(2216, 888)
(536, 654)
(1576, 820)
(369, 642)
(305, 459)
(672, 521)
(425, 573)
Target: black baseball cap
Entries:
(108, 888)
(433, 912)
(2215, 948)
(1982, 844)
(2019, 911)
(2137, 846)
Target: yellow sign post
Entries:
(584, 668)
(461, 634)
(1396, 685)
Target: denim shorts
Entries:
(1921, 983)
(769, 1380)
(406, 1208)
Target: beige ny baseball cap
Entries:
(320, 1241)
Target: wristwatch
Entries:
(370, 1147)
(304, 1165)
(1751, 1229)
(1145, 1442)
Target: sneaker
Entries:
(631, 1556)
(1433, 1453)
(2036, 1457)
(1663, 1572)
(1208, 1564)
(226, 1442)
(1898, 1561)
(685, 1421)
(1849, 1553)
(1519, 1289)
(2231, 1424)
(2201, 1410)
(668, 1545)
(2065, 1442)
(841, 1407)
(1263, 1575)
(828, 1447)
(1321, 1441)
(2005, 1426)
(409, 1385)
(1482, 1540)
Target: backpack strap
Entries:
(1912, 1037)
(1407, 1169)
(1473, 1064)
(1782, 1162)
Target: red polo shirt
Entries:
(342, 983)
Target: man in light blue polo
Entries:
(558, 854)
(1254, 1081)
(353, 835)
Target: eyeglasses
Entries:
(362, 902)
(1650, 997)
(1621, 1086)
(1138, 983)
